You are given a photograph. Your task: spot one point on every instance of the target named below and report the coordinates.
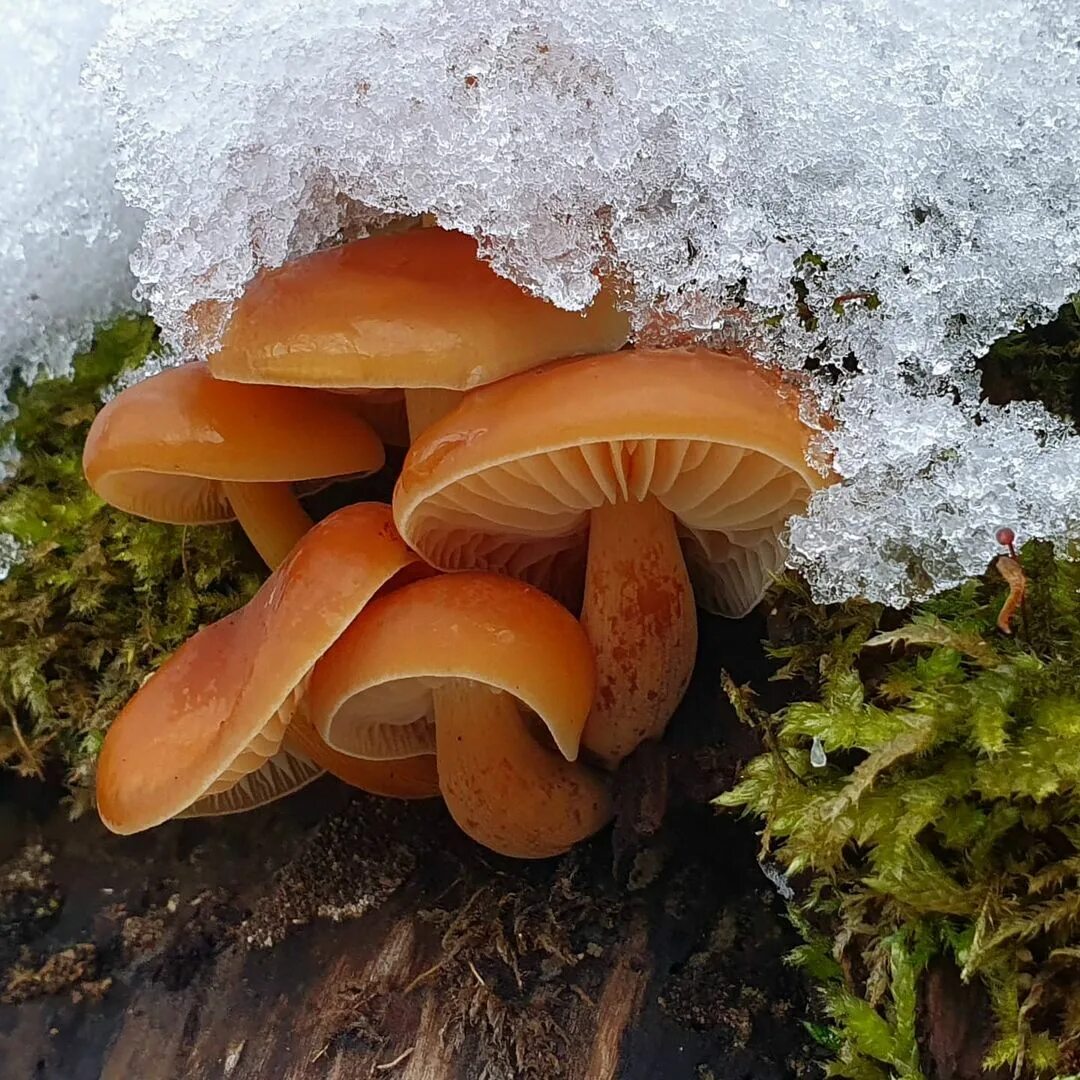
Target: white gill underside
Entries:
(170, 497)
(261, 748)
(529, 517)
(268, 768)
(729, 578)
(287, 771)
(190, 498)
(393, 720)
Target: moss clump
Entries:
(97, 599)
(946, 820)
(1041, 363)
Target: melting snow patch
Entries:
(65, 232)
(926, 154)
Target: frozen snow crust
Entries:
(65, 232)
(925, 153)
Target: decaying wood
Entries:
(620, 1004)
(387, 993)
(956, 1020)
(339, 936)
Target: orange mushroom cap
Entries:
(204, 725)
(453, 662)
(162, 448)
(507, 481)
(412, 309)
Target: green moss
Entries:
(1041, 363)
(98, 598)
(946, 820)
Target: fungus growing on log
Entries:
(184, 448)
(620, 462)
(417, 310)
(209, 732)
(494, 676)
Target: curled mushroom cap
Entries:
(615, 461)
(416, 309)
(487, 671)
(209, 732)
(184, 448)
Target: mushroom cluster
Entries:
(531, 592)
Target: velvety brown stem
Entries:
(640, 617)
(426, 406)
(272, 517)
(502, 787)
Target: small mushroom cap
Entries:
(161, 448)
(230, 690)
(507, 480)
(413, 309)
(376, 682)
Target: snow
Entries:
(10, 554)
(925, 153)
(65, 232)
(925, 517)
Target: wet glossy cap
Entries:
(371, 694)
(510, 657)
(161, 448)
(413, 309)
(204, 725)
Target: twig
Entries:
(425, 975)
(31, 757)
(387, 1065)
(450, 947)
(449, 888)
(846, 298)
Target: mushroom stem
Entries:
(501, 786)
(271, 515)
(639, 615)
(426, 406)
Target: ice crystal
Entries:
(65, 232)
(779, 879)
(10, 554)
(912, 164)
(922, 517)
(157, 362)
